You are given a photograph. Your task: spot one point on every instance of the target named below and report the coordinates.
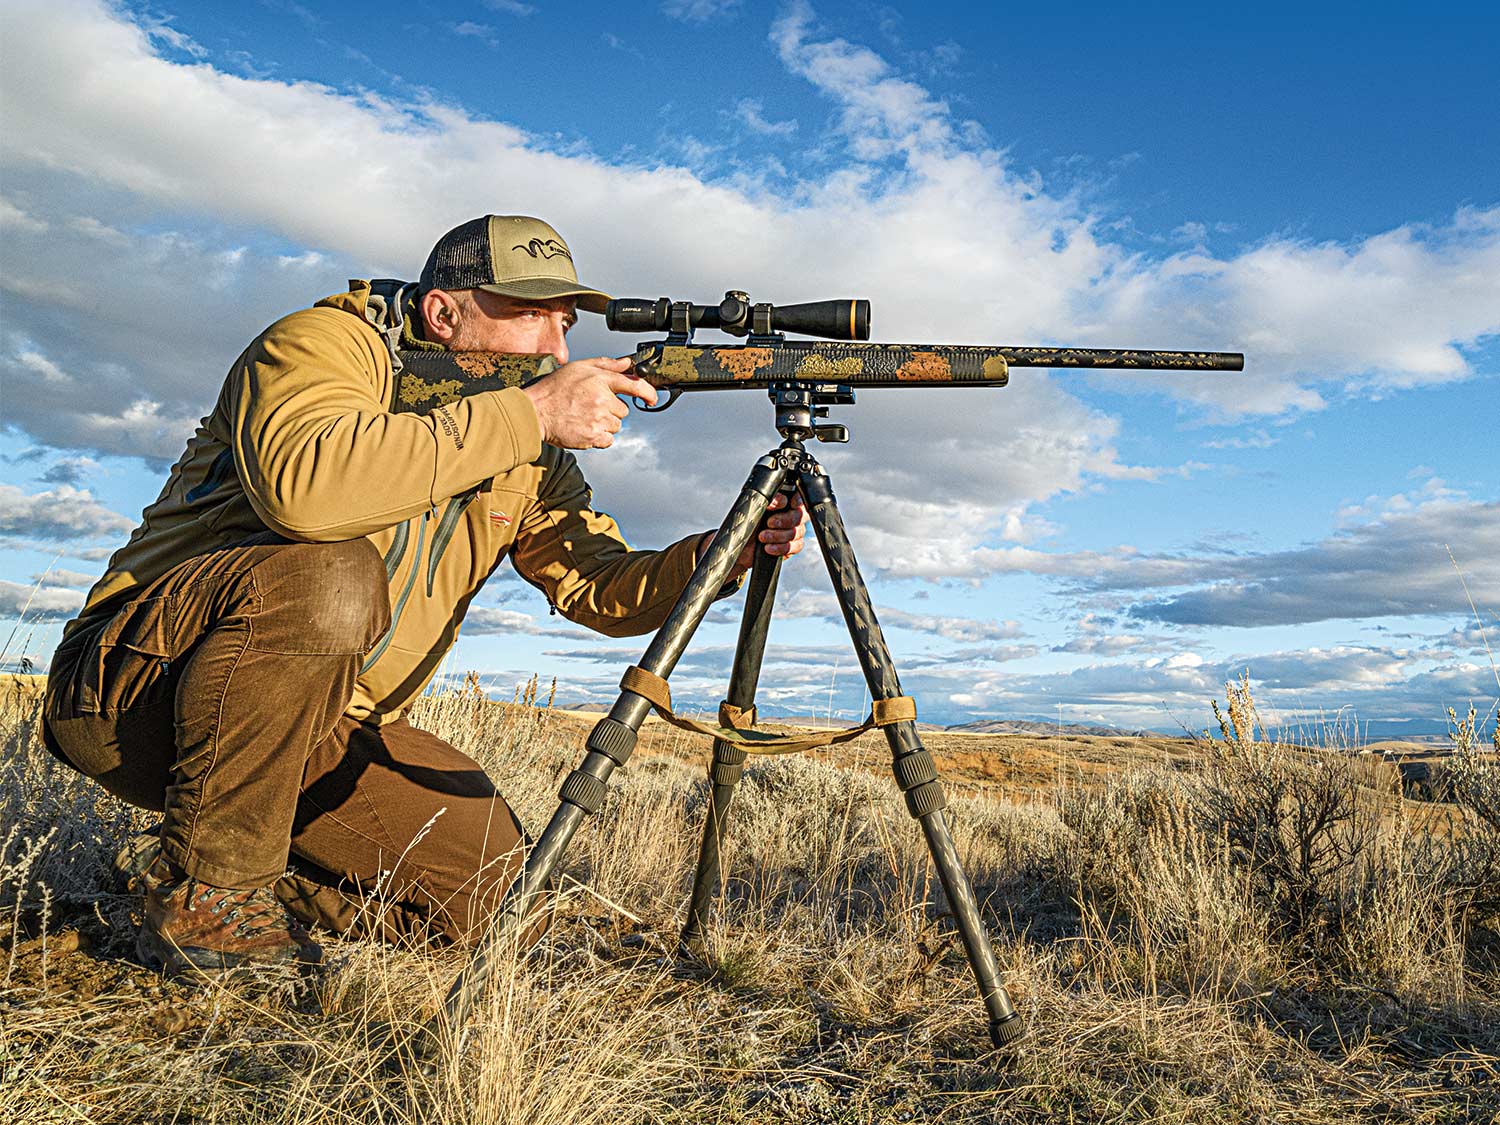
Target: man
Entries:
(245, 662)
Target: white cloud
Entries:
(1320, 320)
(63, 513)
(698, 11)
(70, 470)
(1394, 566)
(1256, 439)
(470, 30)
(13, 218)
(67, 579)
(751, 114)
(159, 28)
(965, 630)
(489, 620)
(39, 603)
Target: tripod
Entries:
(789, 468)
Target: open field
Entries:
(1195, 932)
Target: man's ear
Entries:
(440, 315)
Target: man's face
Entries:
(492, 323)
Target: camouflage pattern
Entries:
(429, 379)
(432, 378)
(1111, 359)
(694, 366)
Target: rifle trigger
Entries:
(673, 393)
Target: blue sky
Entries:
(1317, 186)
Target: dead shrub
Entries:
(1467, 871)
(1292, 821)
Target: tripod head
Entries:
(799, 405)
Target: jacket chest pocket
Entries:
(503, 510)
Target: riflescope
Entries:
(735, 315)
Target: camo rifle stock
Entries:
(431, 379)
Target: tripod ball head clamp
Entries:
(735, 315)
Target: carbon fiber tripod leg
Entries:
(910, 761)
(613, 739)
(729, 760)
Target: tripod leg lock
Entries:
(728, 764)
(914, 769)
(918, 778)
(1006, 1031)
(584, 790)
(925, 799)
(613, 739)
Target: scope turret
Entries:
(833, 320)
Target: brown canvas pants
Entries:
(217, 698)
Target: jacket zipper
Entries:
(444, 533)
(411, 580)
(397, 550)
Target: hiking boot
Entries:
(134, 858)
(191, 925)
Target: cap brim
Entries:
(547, 289)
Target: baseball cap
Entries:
(513, 255)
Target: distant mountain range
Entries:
(976, 726)
(1431, 732)
(1027, 726)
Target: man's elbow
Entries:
(290, 521)
(619, 624)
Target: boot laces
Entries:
(250, 911)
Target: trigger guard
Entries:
(673, 393)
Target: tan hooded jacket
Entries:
(301, 443)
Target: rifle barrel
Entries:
(1117, 358)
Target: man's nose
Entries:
(557, 343)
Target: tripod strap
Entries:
(654, 690)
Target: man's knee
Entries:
(333, 597)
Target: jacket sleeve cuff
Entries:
(729, 589)
(525, 431)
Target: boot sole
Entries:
(165, 956)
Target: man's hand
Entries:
(579, 405)
(781, 535)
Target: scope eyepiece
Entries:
(833, 320)
(637, 314)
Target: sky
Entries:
(1317, 186)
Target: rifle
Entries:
(768, 360)
(803, 379)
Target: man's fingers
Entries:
(623, 384)
(791, 548)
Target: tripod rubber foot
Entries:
(1007, 1031)
(407, 1051)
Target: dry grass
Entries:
(1235, 932)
